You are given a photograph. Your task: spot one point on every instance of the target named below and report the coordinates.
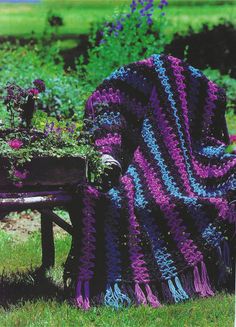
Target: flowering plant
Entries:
(34, 134)
(231, 148)
(20, 102)
(128, 38)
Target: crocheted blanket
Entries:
(164, 233)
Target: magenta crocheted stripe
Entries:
(173, 146)
(180, 82)
(210, 105)
(110, 139)
(170, 140)
(88, 234)
(186, 246)
(138, 264)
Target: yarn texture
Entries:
(164, 233)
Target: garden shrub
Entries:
(126, 39)
(228, 83)
(211, 46)
(63, 96)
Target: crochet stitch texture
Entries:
(164, 234)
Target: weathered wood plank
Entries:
(47, 171)
(47, 240)
(34, 201)
(57, 220)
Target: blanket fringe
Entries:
(226, 255)
(82, 301)
(177, 291)
(225, 266)
(139, 294)
(201, 283)
(187, 281)
(115, 298)
(152, 299)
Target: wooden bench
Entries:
(44, 202)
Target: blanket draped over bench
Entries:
(164, 233)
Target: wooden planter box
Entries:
(48, 171)
(44, 171)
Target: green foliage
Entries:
(231, 122)
(131, 44)
(21, 65)
(225, 81)
(58, 142)
(18, 261)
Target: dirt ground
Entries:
(21, 224)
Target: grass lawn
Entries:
(33, 304)
(30, 300)
(214, 312)
(22, 18)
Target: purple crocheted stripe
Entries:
(86, 263)
(202, 171)
(147, 62)
(104, 96)
(225, 211)
(110, 139)
(173, 147)
(194, 94)
(177, 71)
(186, 246)
(132, 105)
(106, 149)
(210, 105)
(112, 243)
(170, 140)
(138, 264)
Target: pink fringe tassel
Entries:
(152, 299)
(202, 284)
(140, 296)
(82, 302)
(205, 281)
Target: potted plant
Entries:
(36, 150)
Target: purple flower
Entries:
(232, 138)
(21, 174)
(102, 41)
(15, 144)
(119, 26)
(33, 92)
(133, 6)
(39, 84)
(19, 184)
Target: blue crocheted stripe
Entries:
(110, 119)
(150, 140)
(133, 78)
(212, 236)
(195, 72)
(163, 258)
(212, 152)
(201, 190)
(111, 235)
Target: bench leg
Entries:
(47, 239)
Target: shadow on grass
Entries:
(33, 284)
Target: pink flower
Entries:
(19, 184)
(232, 138)
(33, 92)
(20, 174)
(15, 144)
